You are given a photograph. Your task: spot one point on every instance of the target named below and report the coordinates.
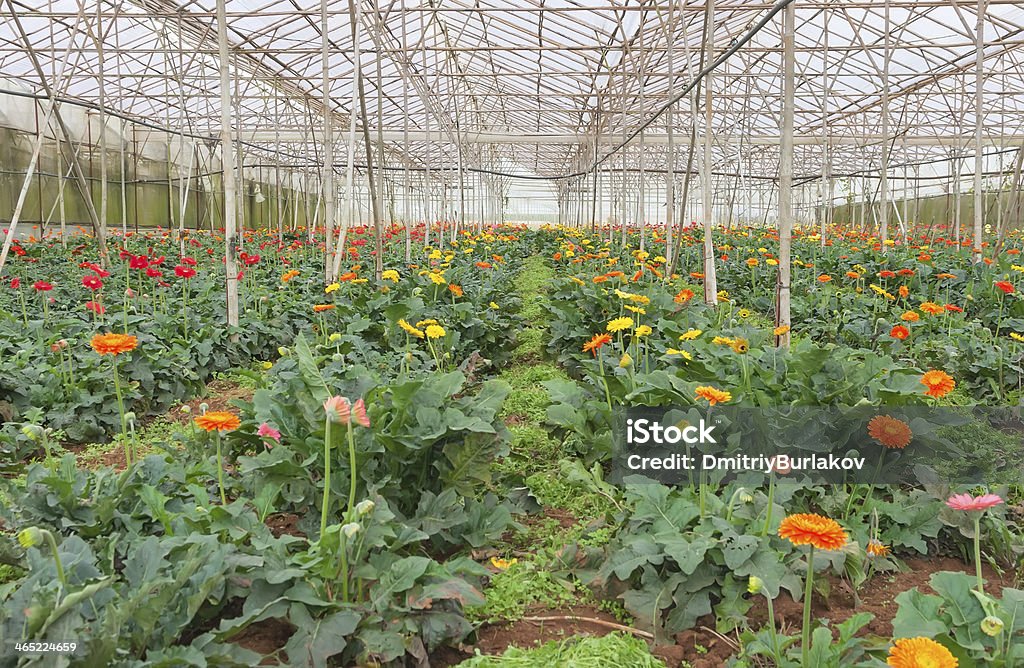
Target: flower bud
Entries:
(365, 506)
(186, 409)
(334, 337)
(130, 417)
(282, 351)
(755, 585)
(350, 529)
(992, 626)
(33, 431)
(30, 537)
(625, 361)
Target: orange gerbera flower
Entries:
(218, 421)
(890, 432)
(910, 316)
(809, 529)
(899, 332)
(876, 548)
(824, 278)
(683, 296)
(712, 395)
(931, 308)
(939, 383)
(114, 344)
(920, 653)
(455, 289)
(780, 330)
(595, 343)
(320, 308)
(904, 291)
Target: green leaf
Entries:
(399, 578)
(310, 370)
(918, 615)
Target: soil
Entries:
(219, 395)
(528, 632)
(702, 646)
(516, 420)
(281, 524)
(267, 637)
(112, 457)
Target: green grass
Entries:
(615, 649)
(522, 585)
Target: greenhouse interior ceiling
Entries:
(534, 99)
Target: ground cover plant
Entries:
(416, 468)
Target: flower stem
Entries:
(120, 409)
(771, 628)
(56, 558)
(220, 472)
(977, 552)
(805, 632)
(352, 470)
(327, 477)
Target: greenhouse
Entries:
(653, 333)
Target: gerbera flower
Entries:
(824, 278)
(642, 330)
(683, 296)
(920, 653)
(390, 275)
(92, 282)
(409, 329)
(712, 395)
(910, 316)
(266, 431)
(218, 421)
(780, 330)
(595, 343)
(1004, 286)
(973, 503)
(619, 324)
(42, 286)
(682, 353)
(690, 334)
(939, 383)
(435, 331)
(320, 308)
(455, 289)
(876, 548)
(931, 308)
(739, 345)
(114, 344)
(899, 332)
(890, 432)
(904, 291)
(823, 533)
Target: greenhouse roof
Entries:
(531, 83)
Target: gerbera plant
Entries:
(218, 422)
(814, 531)
(114, 345)
(976, 506)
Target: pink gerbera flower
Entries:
(338, 409)
(266, 431)
(973, 503)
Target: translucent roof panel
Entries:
(534, 83)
